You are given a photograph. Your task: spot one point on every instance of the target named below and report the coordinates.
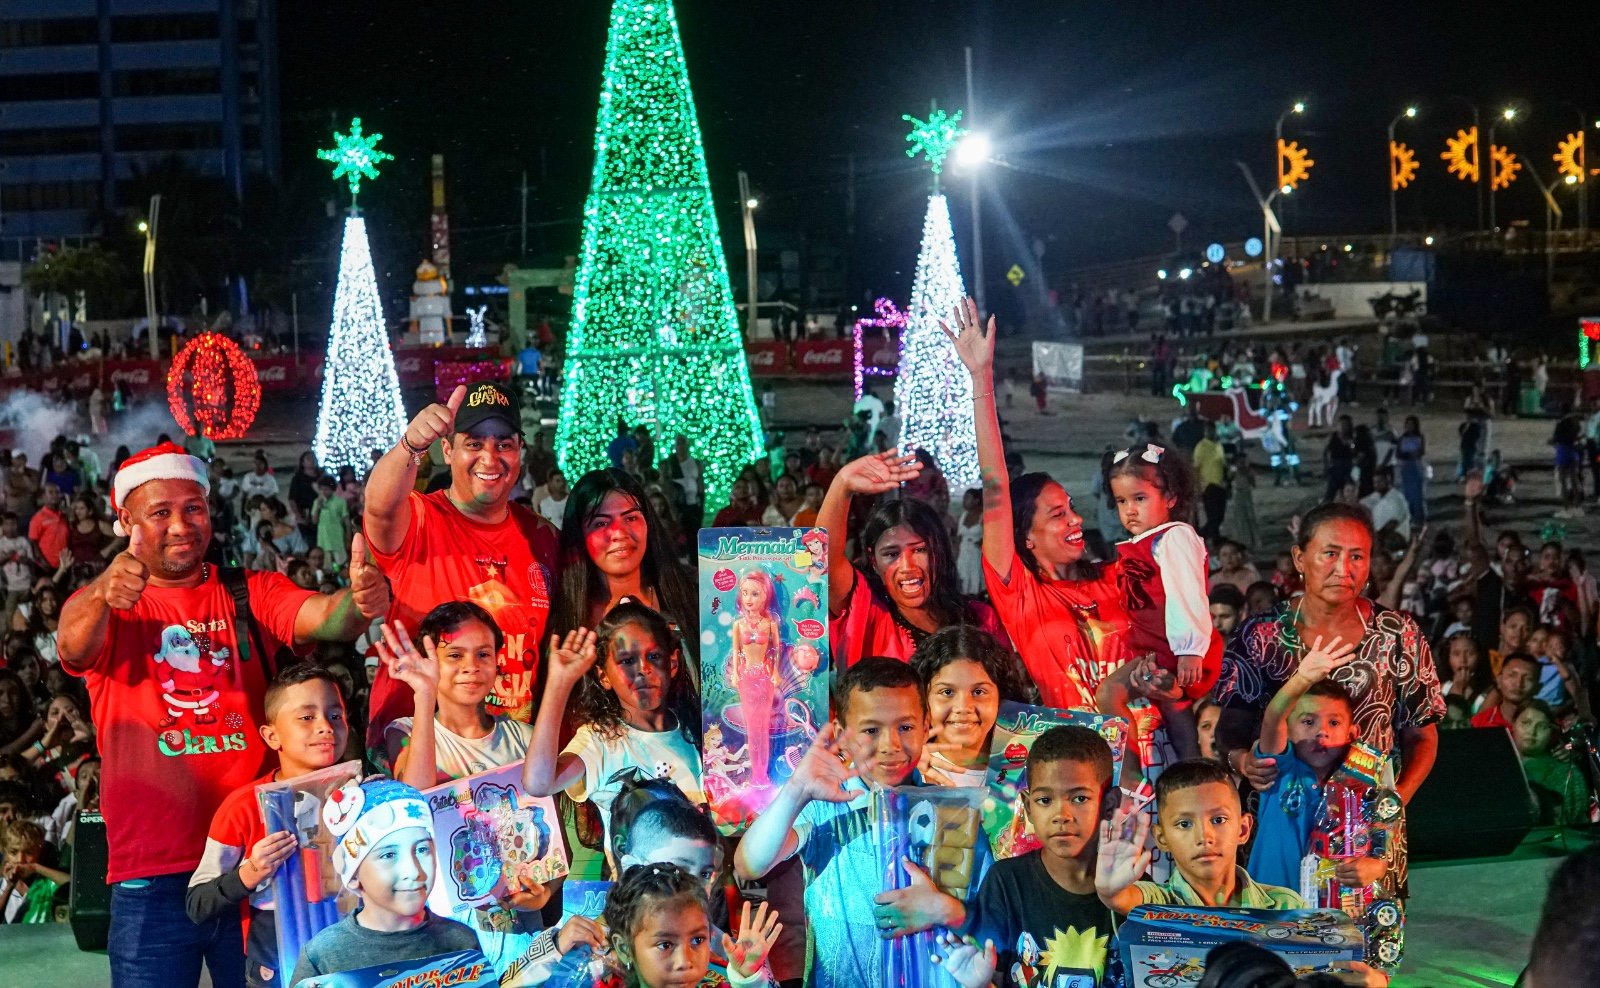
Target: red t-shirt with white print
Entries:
(177, 710)
(507, 568)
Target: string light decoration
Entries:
(1461, 154)
(934, 138)
(933, 389)
(361, 409)
(1503, 166)
(1294, 164)
(1403, 165)
(213, 388)
(655, 339)
(478, 335)
(1569, 158)
(889, 317)
(354, 156)
(1588, 336)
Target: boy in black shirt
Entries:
(1040, 908)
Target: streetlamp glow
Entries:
(1299, 107)
(1509, 113)
(144, 227)
(1286, 190)
(1161, 274)
(1572, 180)
(1411, 111)
(752, 203)
(1428, 240)
(1184, 273)
(974, 150)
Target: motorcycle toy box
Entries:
(1166, 946)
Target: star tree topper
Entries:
(934, 138)
(354, 157)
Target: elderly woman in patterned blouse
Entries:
(1392, 679)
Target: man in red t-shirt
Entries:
(469, 542)
(1517, 683)
(176, 691)
(47, 528)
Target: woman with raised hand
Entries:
(1063, 611)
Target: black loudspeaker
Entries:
(1469, 807)
(90, 897)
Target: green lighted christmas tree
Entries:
(655, 339)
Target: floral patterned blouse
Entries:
(1392, 679)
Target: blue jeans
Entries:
(153, 943)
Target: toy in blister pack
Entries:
(763, 661)
(940, 831)
(1166, 946)
(1015, 729)
(1358, 818)
(462, 969)
(492, 839)
(307, 896)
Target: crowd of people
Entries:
(183, 633)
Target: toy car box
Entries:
(1166, 946)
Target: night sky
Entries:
(1112, 115)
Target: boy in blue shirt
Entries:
(822, 814)
(1308, 730)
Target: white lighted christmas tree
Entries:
(361, 409)
(655, 339)
(933, 390)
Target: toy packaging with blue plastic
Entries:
(462, 969)
(1166, 946)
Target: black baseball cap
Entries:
(487, 400)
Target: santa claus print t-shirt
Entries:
(505, 568)
(177, 709)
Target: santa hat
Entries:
(167, 461)
(361, 816)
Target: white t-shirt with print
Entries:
(459, 757)
(655, 755)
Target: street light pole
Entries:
(1394, 222)
(977, 197)
(149, 271)
(1269, 226)
(1508, 114)
(747, 205)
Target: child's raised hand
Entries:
(418, 670)
(822, 773)
(878, 473)
(1322, 659)
(580, 930)
(925, 764)
(528, 897)
(572, 657)
(264, 859)
(747, 954)
(968, 966)
(1124, 852)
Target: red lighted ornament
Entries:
(213, 388)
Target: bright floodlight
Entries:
(973, 150)
(1411, 111)
(1510, 113)
(1428, 240)
(144, 227)
(752, 203)
(1161, 274)
(1184, 274)
(1286, 190)
(1572, 180)
(1299, 107)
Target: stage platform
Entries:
(1469, 926)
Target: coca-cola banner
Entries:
(768, 358)
(823, 358)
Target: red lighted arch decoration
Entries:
(213, 386)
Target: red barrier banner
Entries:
(768, 358)
(819, 358)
